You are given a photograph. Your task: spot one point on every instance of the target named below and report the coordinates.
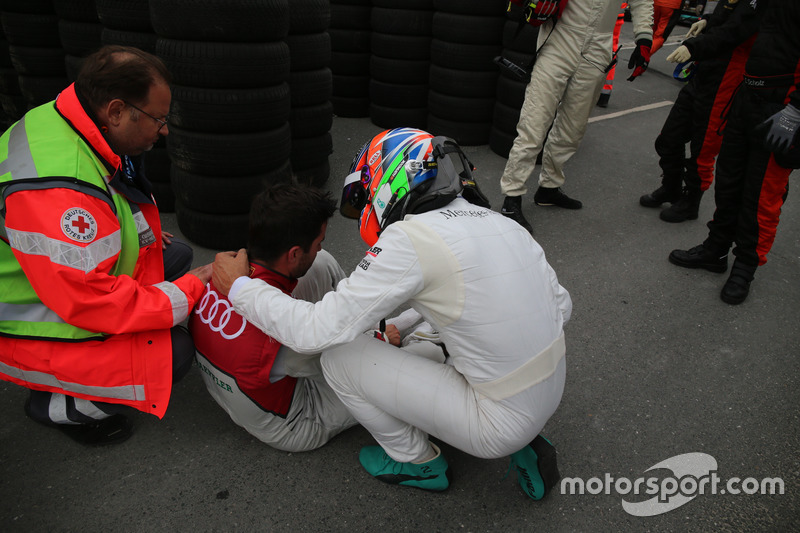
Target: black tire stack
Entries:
(519, 46)
(80, 30)
(400, 63)
(350, 51)
(12, 104)
(126, 23)
(467, 36)
(229, 128)
(311, 86)
(31, 28)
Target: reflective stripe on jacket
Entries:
(84, 308)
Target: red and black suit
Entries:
(752, 182)
(697, 115)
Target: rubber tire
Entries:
(231, 154)
(396, 117)
(309, 51)
(309, 87)
(350, 86)
(350, 63)
(225, 65)
(130, 15)
(37, 61)
(401, 46)
(144, 40)
(223, 195)
(30, 29)
(461, 108)
(76, 10)
(309, 16)
(465, 83)
(398, 95)
(230, 110)
(401, 21)
(464, 56)
(39, 90)
(510, 92)
(217, 232)
(221, 20)
(309, 153)
(350, 106)
(357, 41)
(468, 29)
(464, 133)
(484, 7)
(311, 121)
(350, 17)
(80, 38)
(401, 71)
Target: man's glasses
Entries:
(161, 122)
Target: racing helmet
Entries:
(383, 175)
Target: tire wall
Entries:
(229, 132)
(257, 83)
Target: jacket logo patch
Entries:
(79, 225)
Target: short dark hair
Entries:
(123, 72)
(287, 215)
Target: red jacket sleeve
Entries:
(67, 242)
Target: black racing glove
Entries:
(640, 58)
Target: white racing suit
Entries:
(565, 83)
(483, 284)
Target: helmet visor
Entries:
(354, 194)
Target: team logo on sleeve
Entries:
(79, 225)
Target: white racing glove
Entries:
(697, 28)
(680, 55)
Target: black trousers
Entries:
(751, 186)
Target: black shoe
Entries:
(512, 208)
(554, 196)
(659, 196)
(686, 208)
(111, 430)
(737, 287)
(700, 257)
(603, 100)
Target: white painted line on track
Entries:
(647, 107)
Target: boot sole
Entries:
(717, 269)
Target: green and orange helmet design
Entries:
(383, 173)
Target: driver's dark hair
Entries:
(287, 215)
(116, 71)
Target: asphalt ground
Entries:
(658, 367)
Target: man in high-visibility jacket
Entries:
(87, 321)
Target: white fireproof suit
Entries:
(565, 83)
(483, 283)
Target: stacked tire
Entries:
(350, 52)
(229, 127)
(400, 63)
(80, 30)
(311, 86)
(31, 28)
(12, 104)
(126, 23)
(519, 46)
(467, 36)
